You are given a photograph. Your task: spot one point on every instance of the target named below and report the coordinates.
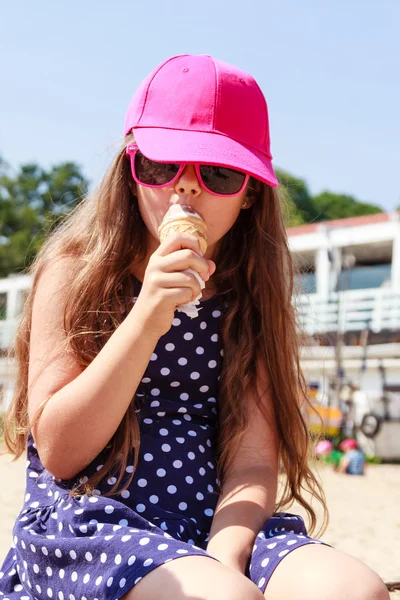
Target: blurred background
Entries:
(329, 71)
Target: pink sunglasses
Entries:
(216, 179)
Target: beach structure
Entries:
(348, 305)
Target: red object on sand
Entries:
(349, 444)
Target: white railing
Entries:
(13, 291)
(7, 332)
(352, 310)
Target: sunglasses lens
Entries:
(150, 172)
(222, 180)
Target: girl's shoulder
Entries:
(59, 270)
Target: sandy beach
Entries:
(364, 513)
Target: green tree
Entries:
(32, 201)
(339, 206)
(299, 207)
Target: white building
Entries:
(350, 271)
(348, 290)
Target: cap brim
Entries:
(171, 145)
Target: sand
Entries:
(364, 513)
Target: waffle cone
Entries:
(190, 224)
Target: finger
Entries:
(212, 267)
(186, 259)
(180, 296)
(179, 281)
(179, 241)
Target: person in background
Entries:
(353, 460)
(323, 449)
(327, 453)
(347, 408)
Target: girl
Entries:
(152, 436)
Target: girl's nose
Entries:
(188, 183)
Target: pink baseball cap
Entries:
(348, 444)
(196, 109)
(323, 447)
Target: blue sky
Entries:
(329, 70)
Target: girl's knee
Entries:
(360, 583)
(372, 589)
(246, 591)
(322, 573)
(194, 577)
(366, 586)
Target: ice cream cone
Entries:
(183, 219)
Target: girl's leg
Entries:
(316, 572)
(194, 578)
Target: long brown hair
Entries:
(106, 233)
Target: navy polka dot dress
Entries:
(97, 547)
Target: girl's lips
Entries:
(177, 210)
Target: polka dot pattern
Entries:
(93, 547)
(280, 535)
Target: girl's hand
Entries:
(166, 285)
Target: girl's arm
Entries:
(85, 408)
(249, 491)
